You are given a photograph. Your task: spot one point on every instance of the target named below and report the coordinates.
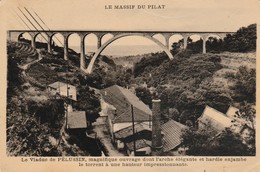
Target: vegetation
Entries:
(14, 73)
(205, 142)
(185, 85)
(244, 88)
(244, 40)
(35, 119)
(189, 82)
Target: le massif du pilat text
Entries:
(134, 159)
(130, 7)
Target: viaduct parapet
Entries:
(14, 35)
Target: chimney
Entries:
(156, 128)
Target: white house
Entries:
(220, 121)
(63, 89)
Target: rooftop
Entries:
(77, 119)
(217, 119)
(59, 84)
(172, 134)
(128, 131)
(122, 98)
(139, 144)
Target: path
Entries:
(104, 137)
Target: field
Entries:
(231, 63)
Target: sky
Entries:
(184, 15)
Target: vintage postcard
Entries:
(129, 85)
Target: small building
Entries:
(63, 89)
(77, 120)
(142, 146)
(140, 141)
(120, 114)
(125, 137)
(172, 140)
(218, 120)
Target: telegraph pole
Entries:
(133, 124)
(67, 98)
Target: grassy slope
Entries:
(231, 63)
(32, 89)
(195, 80)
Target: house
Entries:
(148, 133)
(216, 119)
(125, 139)
(219, 121)
(171, 132)
(142, 146)
(119, 115)
(172, 140)
(63, 89)
(77, 120)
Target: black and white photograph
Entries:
(122, 79)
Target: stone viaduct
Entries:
(14, 35)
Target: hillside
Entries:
(191, 81)
(130, 61)
(35, 113)
(185, 85)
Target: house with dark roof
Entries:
(142, 146)
(119, 101)
(172, 140)
(125, 139)
(116, 105)
(77, 120)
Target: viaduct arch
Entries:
(99, 51)
(14, 35)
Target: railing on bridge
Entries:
(14, 35)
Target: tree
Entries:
(196, 141)
(176, 46)
(228, 143)
(245, 118)
(196, 47)
(92, 116)
(14, 73)
(208, 142)
(144, 95)
(244, 40)
(174, 114)
(245, 85)
(214, 45)
(247, 113)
